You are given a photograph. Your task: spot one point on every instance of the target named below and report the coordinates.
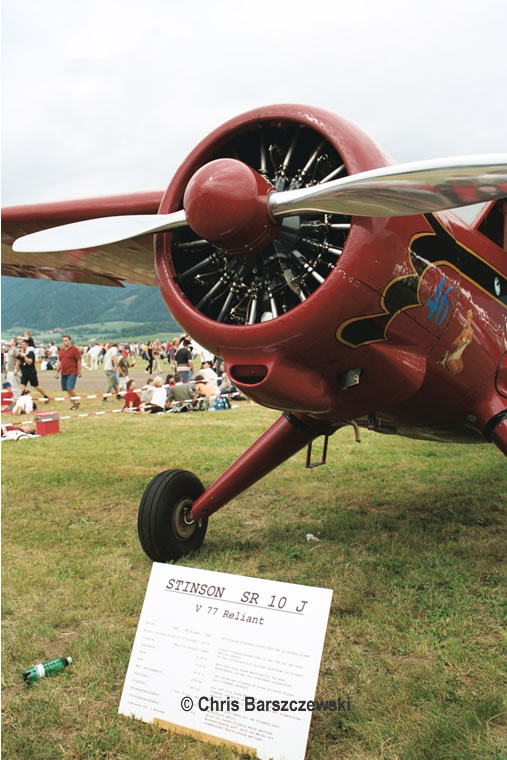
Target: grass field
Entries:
(411, 543)
(121, 331)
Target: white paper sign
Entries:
(228, 656)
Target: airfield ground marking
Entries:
(96, 414)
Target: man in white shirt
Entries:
(210, 376)
(198, 350)
(25, 430)
(24, 404)
(93, 354)
(53, 355)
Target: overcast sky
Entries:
(107, 96)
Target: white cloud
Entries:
(109, 96)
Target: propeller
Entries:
(402, 190)
(96, 232)
(399, 190)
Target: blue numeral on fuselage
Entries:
(438, 303)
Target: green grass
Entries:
(121, 331)
(411, 543)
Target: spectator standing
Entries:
(198, 350)
(69, 367)
(94, 353)
(172, 353)
(25, 362)
(157, 350)
(219, 366)
(184, 363)
(149, 357)
(12, 374)
(53, 355)
(111, 369)
(123, 370)
(84, 353)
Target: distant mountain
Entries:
(44, 305)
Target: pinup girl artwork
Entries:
(453, 360)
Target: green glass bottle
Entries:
(44, 669)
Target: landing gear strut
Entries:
(174, 510)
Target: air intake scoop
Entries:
(280, 383)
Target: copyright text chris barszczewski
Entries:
(251, 704)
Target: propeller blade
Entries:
(401, 190)
(91, 233)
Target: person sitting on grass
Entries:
(158, 397)
(133, 402)
(205, 393)
(209, 375)
(146, 390)
(8, 400)
(180, 391)
(24, 404)
(229, 389)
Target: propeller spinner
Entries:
(226, 203)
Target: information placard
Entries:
(228, 658)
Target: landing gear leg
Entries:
(285, 437)
(496, 431)
(174, 510)
(491, 420)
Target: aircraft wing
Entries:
(128, 261)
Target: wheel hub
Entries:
(183, 523)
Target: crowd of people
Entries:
(174, 395)
(195, 379)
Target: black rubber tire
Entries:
(163, 532)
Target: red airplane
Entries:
(337, 289)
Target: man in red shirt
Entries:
(69, 366)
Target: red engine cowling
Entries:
(272, 312)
